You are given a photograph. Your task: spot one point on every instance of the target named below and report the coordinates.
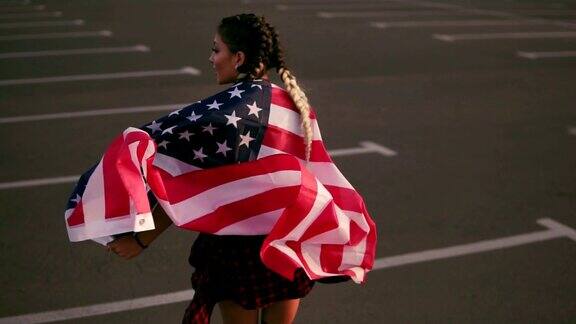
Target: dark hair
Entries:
(255, 37)
(258, 40)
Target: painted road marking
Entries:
(484, 12)
(349, 5)
(121, 75)
(555, 230)
(101, 309)
(37, 182)
(101, 50)
(520, 35)
(539, 55)
(88, 113)
(25, 15)
(370, 14)
(76, 22)
(100, 33)
(455, 23)
(9, 3)
(22, 9)
(365, 147)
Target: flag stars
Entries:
(232, 119)
(185, 135)
(223, 148)
(235, 93)
(209, 129)
(193, 117)
(245, 139)
(76, 199)
(214, 105)
(164, 144)
(199, 154)
(254, 110)
(168, 130)
(174, 113)
(155, 127)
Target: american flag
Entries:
(232, 164)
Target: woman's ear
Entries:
(240, 58)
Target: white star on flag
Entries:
(193, 117)
(198, 154)
(245, 139)
(174, 113)
(77, 198)
(164, 144)
(214, 105)
(209, 129)
(155, 126)
(253, 109)
(168, 130)
(235, 93)
(223, 148)
(232, 119)
(185, 135)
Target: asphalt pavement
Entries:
(460, 115)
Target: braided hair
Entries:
(259, 41)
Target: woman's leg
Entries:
(233, 313)
(282, 312)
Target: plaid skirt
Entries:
(229, 268)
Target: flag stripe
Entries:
(180, 188)
(290, 121)
(208, 201)
(282, 98)
(242, 209)
(292, 144)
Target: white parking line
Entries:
(15, 3)
(21, 15)
(344, 6)
(455, 23)
(37, 182)
(373, 13)
(84, 77)
(88, 113)
(101, 309)
(555, 230)
(76, 22)
(100, 33)
(23, 9)
(539, 55)
(101, 50)
(365, 147)
(519, 35)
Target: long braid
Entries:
(260, 42)
(296, 93)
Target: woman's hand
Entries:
(125, 246)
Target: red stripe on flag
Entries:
(117, 201)
(77, 216)
(346, 199)
(281, 97)
(243, 209)
(290, 219)
(190, 184)
(293, 144)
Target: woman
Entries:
(245, 47)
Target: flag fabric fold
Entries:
(232, 164)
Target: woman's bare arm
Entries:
(127, 247)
